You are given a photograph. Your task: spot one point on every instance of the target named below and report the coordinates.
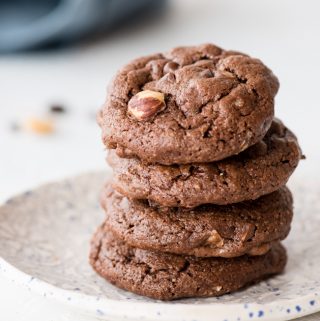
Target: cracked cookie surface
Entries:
(259, 170)
(168, 276)
(209, 230)
(217, 103)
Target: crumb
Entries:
(39, 126)
(57, 108)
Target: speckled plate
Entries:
(44, 245)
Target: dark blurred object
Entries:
(57, 108)
(32, 24)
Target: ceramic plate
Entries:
(44, 245)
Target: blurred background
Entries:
(56, 58)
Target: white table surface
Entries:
(284, 34)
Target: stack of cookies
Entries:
(198, 203)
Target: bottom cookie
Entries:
(169, 276)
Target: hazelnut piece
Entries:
(260, 250)
(40, 126)
(247, 232)
(215, 239)
(146, 104)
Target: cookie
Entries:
(169, 276)
(259, 170)
(208, 230)
(193, 104)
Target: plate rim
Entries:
(90, 305)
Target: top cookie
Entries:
(193, 104)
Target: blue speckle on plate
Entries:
(99, 312)
(312, 302)
(288, 310)
(260, 314)
(298, 308)
(251, 315)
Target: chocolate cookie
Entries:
(169, 276)
(208, 230)
(193, 104)
(259, 170)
